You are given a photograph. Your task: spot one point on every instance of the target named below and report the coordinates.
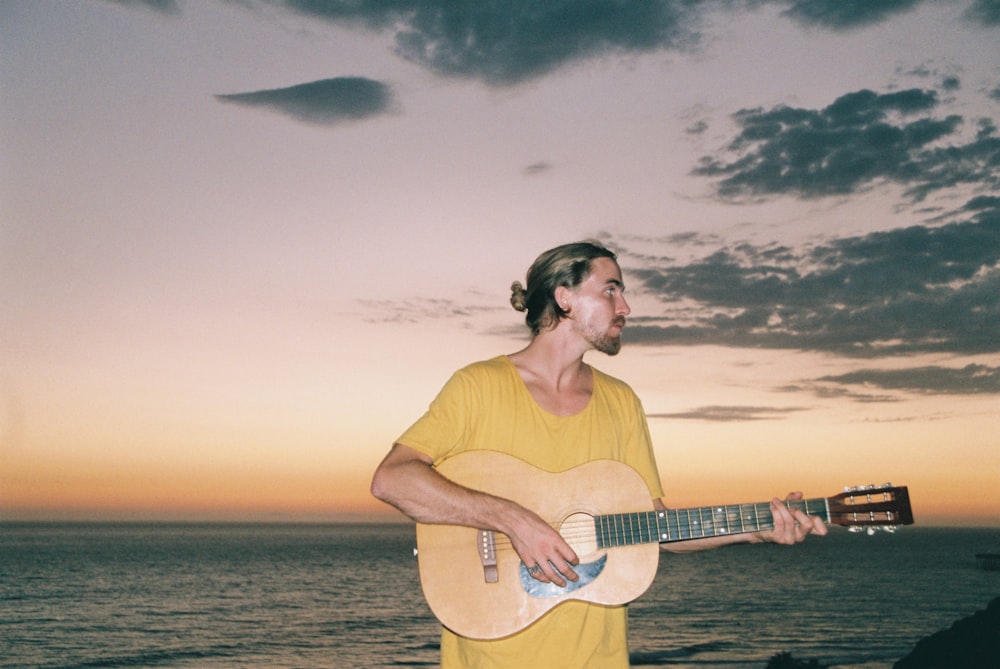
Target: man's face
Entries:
(599, 306)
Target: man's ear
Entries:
(564, 298)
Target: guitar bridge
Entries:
(488, 554)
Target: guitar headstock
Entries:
(871, 508)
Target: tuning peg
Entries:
(872, 529)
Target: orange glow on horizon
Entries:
(325, 497)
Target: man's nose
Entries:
(623, 307)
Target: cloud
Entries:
(504, 43)
(920, 289)
(861, 139)
(986, 12)
(968, 380)
(728, 414)
(536, 168)
(826, 391)
(324, 102)
(841, 14)
(162, 6)
(419, 310)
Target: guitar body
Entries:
(486, 602)
(474, 581)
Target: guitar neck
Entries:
(626, 529)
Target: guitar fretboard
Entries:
(626, 529)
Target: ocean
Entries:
(311, 595)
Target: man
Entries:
(545, 405)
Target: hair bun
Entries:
(517, 296)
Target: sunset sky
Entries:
(243, 243)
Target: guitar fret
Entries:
(764, 512)
(721, 521)
(626, 529)
(662, 526)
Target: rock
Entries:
(970, 643)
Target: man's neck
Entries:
(555, 361)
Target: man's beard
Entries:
(607, 343)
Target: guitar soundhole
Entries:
(579, 532)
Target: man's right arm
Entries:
(406, 480)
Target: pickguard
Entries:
(587, 572)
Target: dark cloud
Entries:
(841, 14)
(162, 6)
(914, 290)
(697, 128)
(861, 139)
(848, 14)
(951, 83)
(826, 391)
(324, 102)
(536, 168)
(968, 380)
(728, 414)
(986, 12)
(509, 42)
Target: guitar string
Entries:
(581, 530)
(687, 523)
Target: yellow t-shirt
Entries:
(486, 406)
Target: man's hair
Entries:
(567, 265)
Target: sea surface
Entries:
(310, 596)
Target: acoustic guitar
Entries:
(476, 585)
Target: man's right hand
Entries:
(543, 551)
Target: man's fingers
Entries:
(551, 573)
